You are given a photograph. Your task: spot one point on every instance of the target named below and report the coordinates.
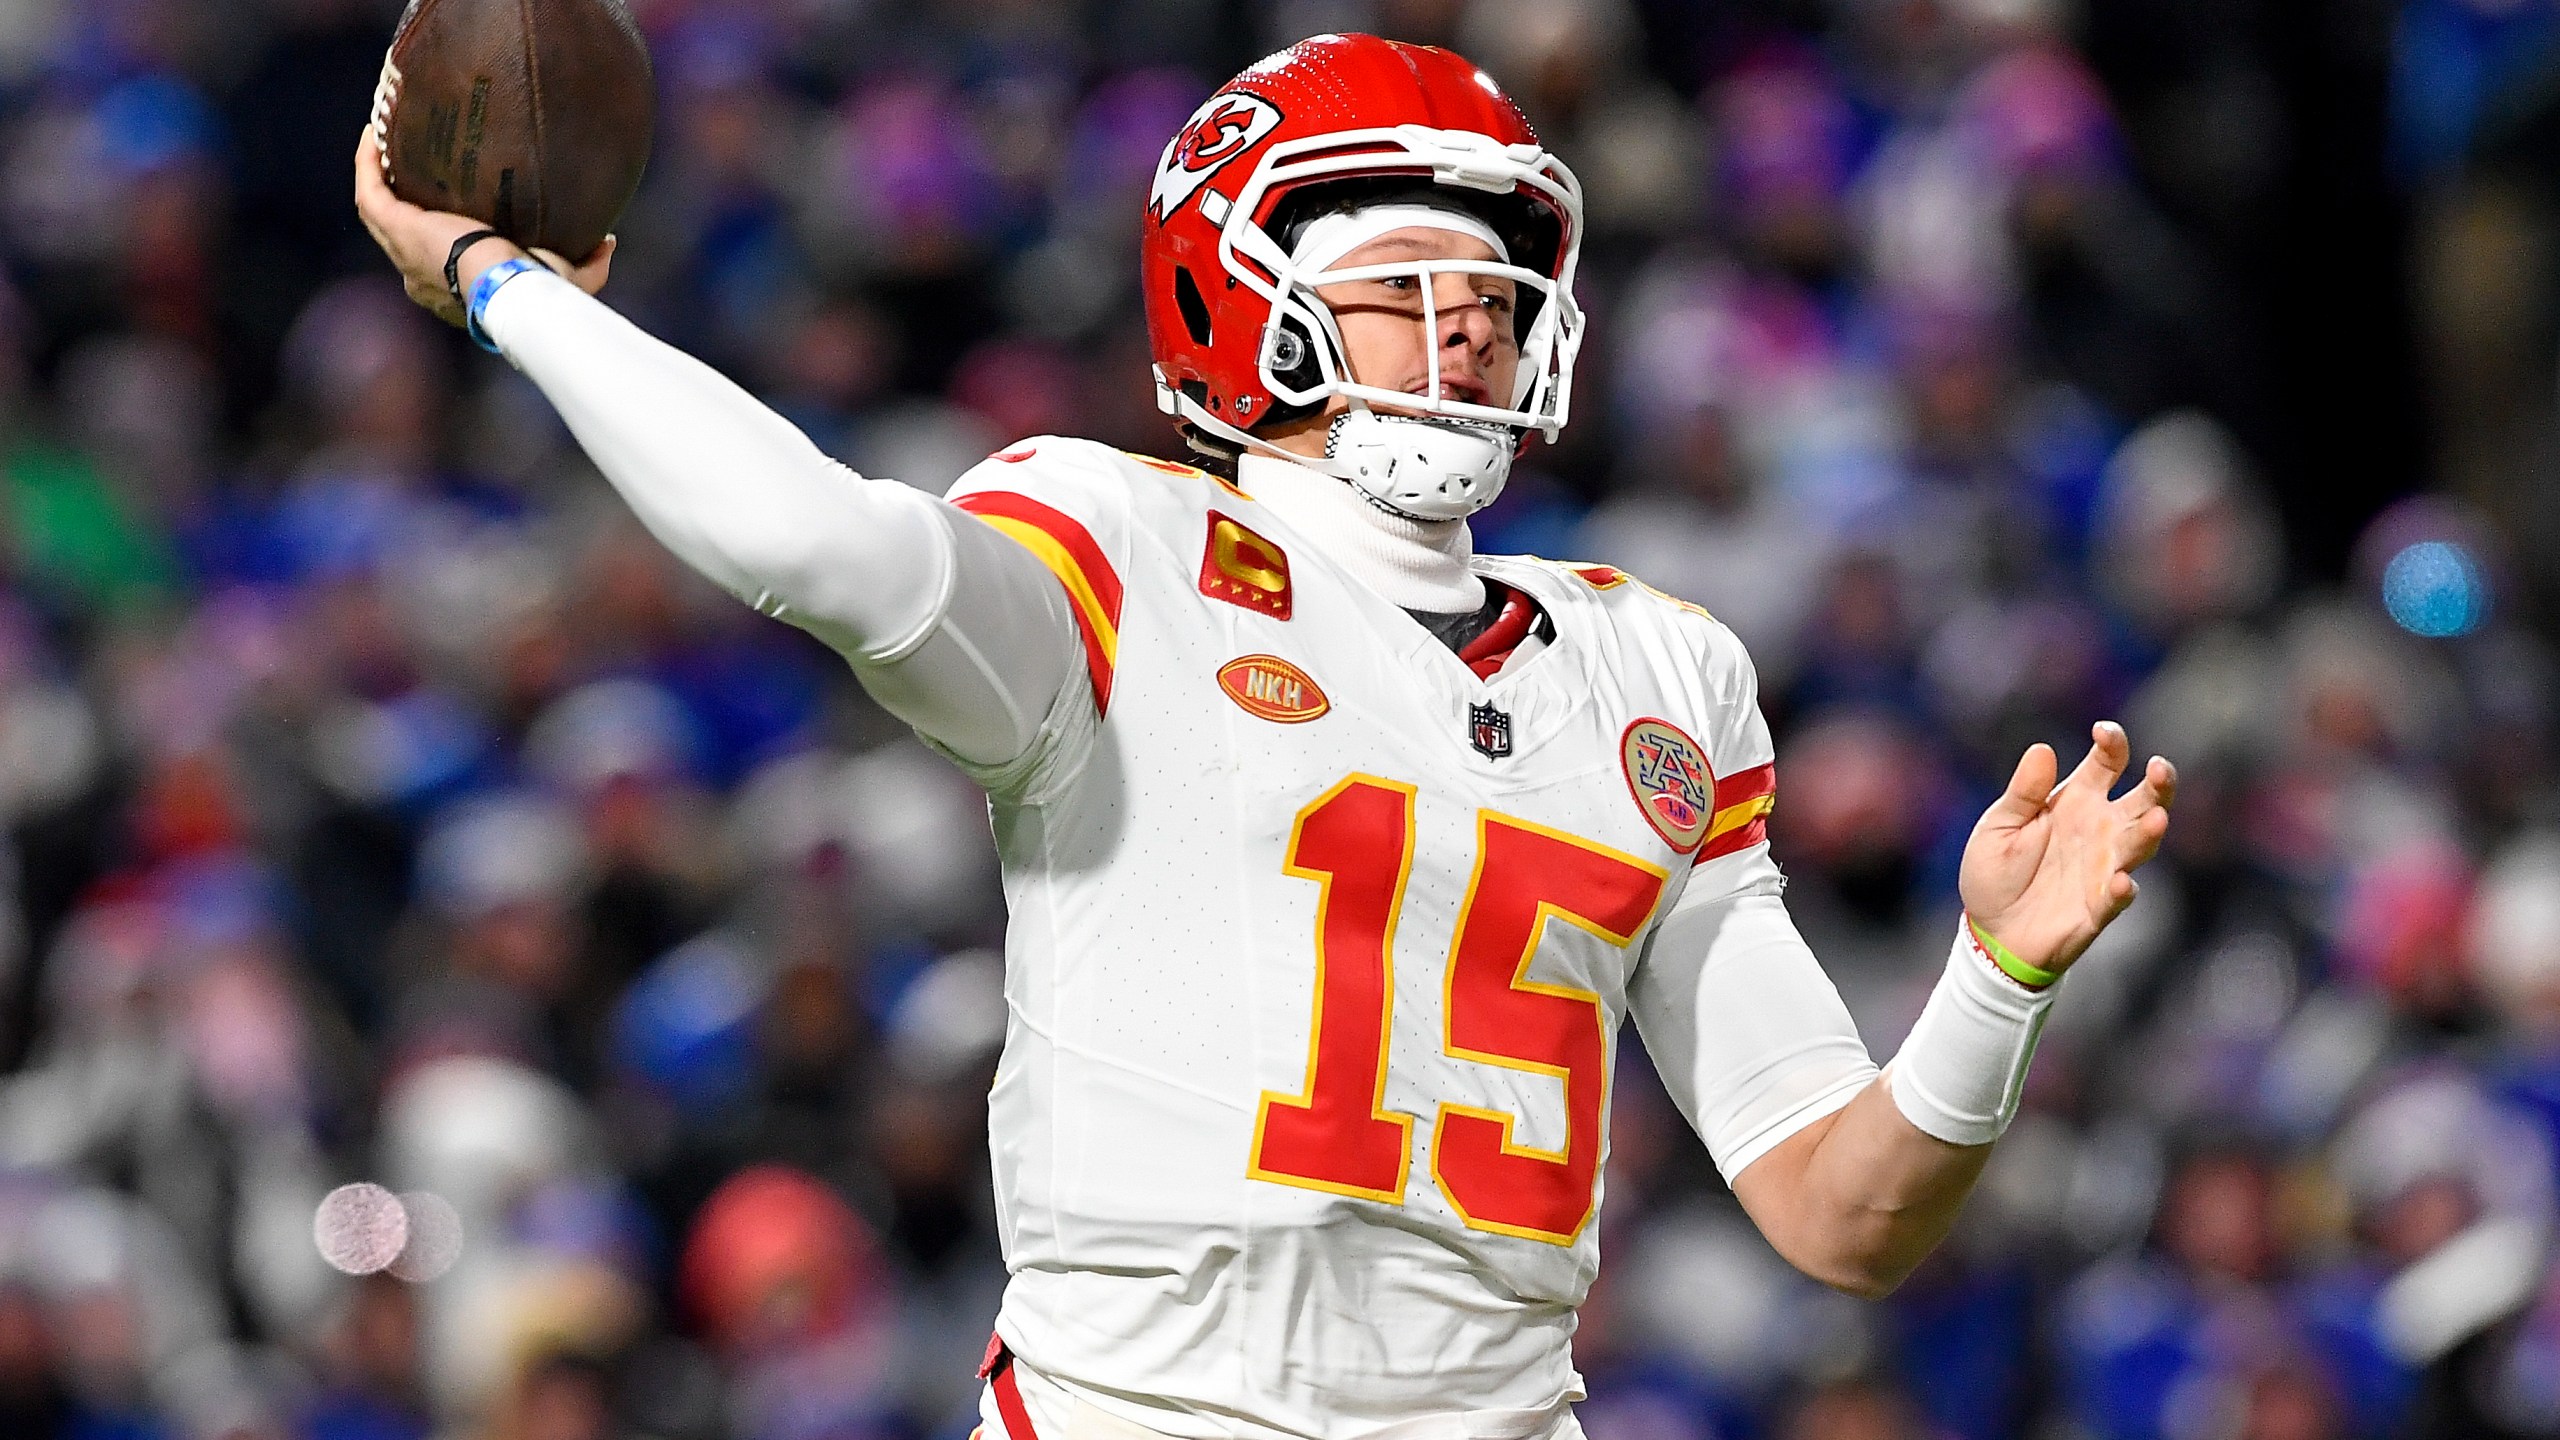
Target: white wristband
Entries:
(1964, 1065)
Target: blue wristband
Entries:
(486, 286)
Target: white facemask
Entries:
(1420, 467)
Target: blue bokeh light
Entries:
(2436, 589)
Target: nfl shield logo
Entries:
(1490, 730)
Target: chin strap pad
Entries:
(1420, 467)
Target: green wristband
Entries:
(2007, 959)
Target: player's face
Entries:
(1389, 332)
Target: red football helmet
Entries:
(1238, 333)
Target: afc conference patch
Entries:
(1667, 773)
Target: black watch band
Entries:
(453, 259)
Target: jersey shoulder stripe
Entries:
(1181, 471)
(1743, 803)
(1610, 577)
(1727, 689)
(1068, 549)
(1093, 515)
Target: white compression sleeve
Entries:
(982, 681)
(955, 630)
(1746, 1030)
(1963, 1067)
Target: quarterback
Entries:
(1336, 854)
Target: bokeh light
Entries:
(360, 1228)
(434, 1239)
(2436, 589)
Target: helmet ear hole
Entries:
(1287, 348)
(1195, 310)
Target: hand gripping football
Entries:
(533, 116)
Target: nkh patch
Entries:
(1667, 772)
(1489, 730)
(1244, 569)
(1272, 689)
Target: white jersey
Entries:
(1320, 946)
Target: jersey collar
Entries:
(1411, 564)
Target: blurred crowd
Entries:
(378, 803)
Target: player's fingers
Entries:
(370, 190)
(2120, 892)
(366, 178)
(588, 274)
(376, 206)
(2109, 751)
(2029, 786)
(597, 268)
(2158, 788)
(381, 206)
(2139, 841)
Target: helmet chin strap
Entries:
(1420, 467)
(1414, 467)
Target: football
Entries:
(533, 116)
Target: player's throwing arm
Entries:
(953, 628)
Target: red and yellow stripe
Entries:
(1743, 803)
(1067, 548)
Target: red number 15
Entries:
(1336, 1135)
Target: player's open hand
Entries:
(418, 240)
(2049, 866)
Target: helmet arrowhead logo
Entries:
(1227, 126)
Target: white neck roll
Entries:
(1412, 564)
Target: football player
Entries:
(1336, 853)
